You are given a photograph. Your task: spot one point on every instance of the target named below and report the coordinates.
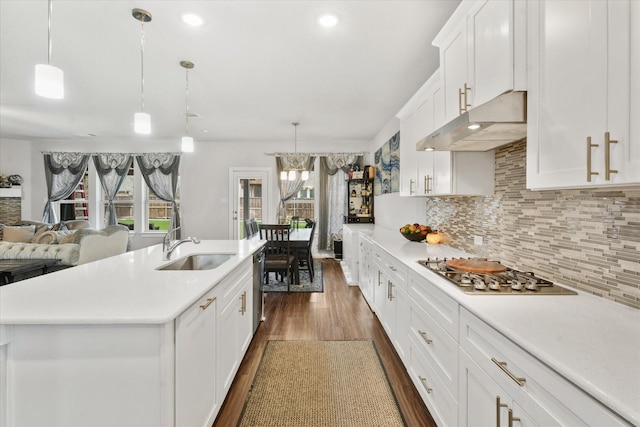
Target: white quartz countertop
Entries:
(592, 342)
(123, 289)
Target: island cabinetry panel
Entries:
(583, 92)
(90, 375)
(491, 365)
(197, 401)
(366, 273)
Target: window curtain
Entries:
(332, 188)
(160, 172)
(63, 172)
(288, 189)
(112, 169)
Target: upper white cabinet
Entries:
(581, 59)
(435, 173)
(482, 53)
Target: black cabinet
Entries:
(360, 201)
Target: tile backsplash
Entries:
(588, 239)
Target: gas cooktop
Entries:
(509, 282)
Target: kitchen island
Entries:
(120, 342)
(572, 359)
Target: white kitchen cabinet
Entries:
(482, 53)
(366, 271)
(350, 263)
(491, 365)
(436, 173)
(582, 64)
(196, 347)
(235, 323)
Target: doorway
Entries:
(249, 195)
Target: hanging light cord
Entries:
(186, 102)
(142, 66)
(50, 43)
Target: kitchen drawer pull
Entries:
(460, 109)
(427, 184)
(425, 337)
(423, 380)
(498, 407)
(589, 147)
(390, 290)
(208, 303)
(512, 418)
(607, 156)
(243, 298)
(411, 182)
(503, 365)
(392, 268)
(466, 102)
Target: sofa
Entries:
(71, 242)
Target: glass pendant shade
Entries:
(305, 175)
(49, 81)
(283, 176)
(187, 144)
(142, 123)
(292, 175)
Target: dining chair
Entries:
(251, 228)
(304, 255)
(279, 257)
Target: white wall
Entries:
(204, 174)
(391, 210)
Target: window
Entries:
(303, 204)
(76, 206)
(124, 200)
(158, 211)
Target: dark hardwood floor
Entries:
(339, 313)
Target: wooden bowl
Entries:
(417, 237)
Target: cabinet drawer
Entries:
(436, 346)
(228, 287)
(440, 402)
(542, 387)
(438, 305)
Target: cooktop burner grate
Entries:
(509, 282)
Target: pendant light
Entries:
(142, 120)
(292, 173)
(187, 141)
(49, 82)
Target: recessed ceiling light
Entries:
(192, 19)
(474, 126)
(328, 20)
(429, 149)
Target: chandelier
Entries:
(295, 162)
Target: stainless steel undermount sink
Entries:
(197, 262)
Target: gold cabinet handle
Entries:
(423, 380)
(503, 366)
(208, 303)
(460, 109)
(512, 418)
(425, 337)
(243, 298)
(589, 147)
(466, 102)
(607, 156)
(427, 184)
(498, 407)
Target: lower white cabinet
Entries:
(492, 366)
(235, 326)
(196, 347)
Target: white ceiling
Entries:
(259, 65)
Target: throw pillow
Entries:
(20, 234)
(39, 232)
(69, 238)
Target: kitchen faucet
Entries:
(168, 248)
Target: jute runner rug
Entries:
(320, 383)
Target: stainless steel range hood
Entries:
(501, 121)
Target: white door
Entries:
(249, 194)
